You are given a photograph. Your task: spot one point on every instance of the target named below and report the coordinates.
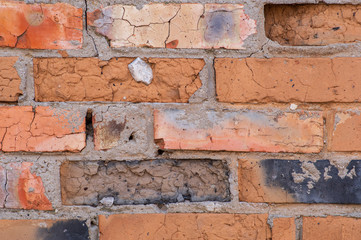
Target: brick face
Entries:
(9, 80)
(157, 181)
(248, 131)
(189, 25)
(307, 24)
(20, 188)
(331, 227)
(184, 226)
(40, 26)
(288, 80)
(284, 229)
(89, 79)
(343, 129)
(44, 129)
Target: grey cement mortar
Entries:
(47, 165)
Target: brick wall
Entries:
(170, 120)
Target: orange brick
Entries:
(22, 189)
(184, 226)
(44, 130)
(40, 26)
(331, 228)
(288, 80)
(254, 131)
(344, 128)
(43, 229)
(89, 79)
(9, 80)
(284, 229)
(159, 25)
(313, 24)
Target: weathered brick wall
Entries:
(171, 120)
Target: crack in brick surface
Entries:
(316, 24)
(40, 26)
(144, 182)
(9, 80)
(89, 79)
(42, 130)
(161, 25)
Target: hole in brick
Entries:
(89, 124)
(160, 152)
(312, 24)
(131, 137)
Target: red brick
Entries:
(250, 130)
(40, 26)
(43, 229)
(284, 229)
(288, 80)
(9, 80)
(159, 25)
(44, 129)
(331, 228)
(184, 226)
(89, 79)
(20, 188)
(344, 130)
(313, 24)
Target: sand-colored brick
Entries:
(189, 25)
(248, 131)
(40, 26)
(288, 80)
(184, 226)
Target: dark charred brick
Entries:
(144, 182)
(65, 230)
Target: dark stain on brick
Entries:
(219, 25)
(114, 129)
(332, 189)
(147, 182)
(65, 230)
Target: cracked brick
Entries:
(184, 226)
(288, 181)
(44, 129)
(248, 130)
(44, 229)
(288, 80)
(89, 79)
(331, 228)
(343, 128)
(22, 189)
(9, 80)
(159, 25)
(144, 182)
(313, 24)
(40, 26)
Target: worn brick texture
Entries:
(40, 26)
(9, 80)
(184, 226)
(159, 25)
(247, 131)
(157, 181)
(307, 24)
(89, 79)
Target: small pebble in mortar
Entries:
(107, 201)
(293, 106)
(141, 71)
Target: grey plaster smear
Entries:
(144, 182)
(315, 182)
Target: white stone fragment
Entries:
(141, 71)
(293, 106)
(107, 201)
